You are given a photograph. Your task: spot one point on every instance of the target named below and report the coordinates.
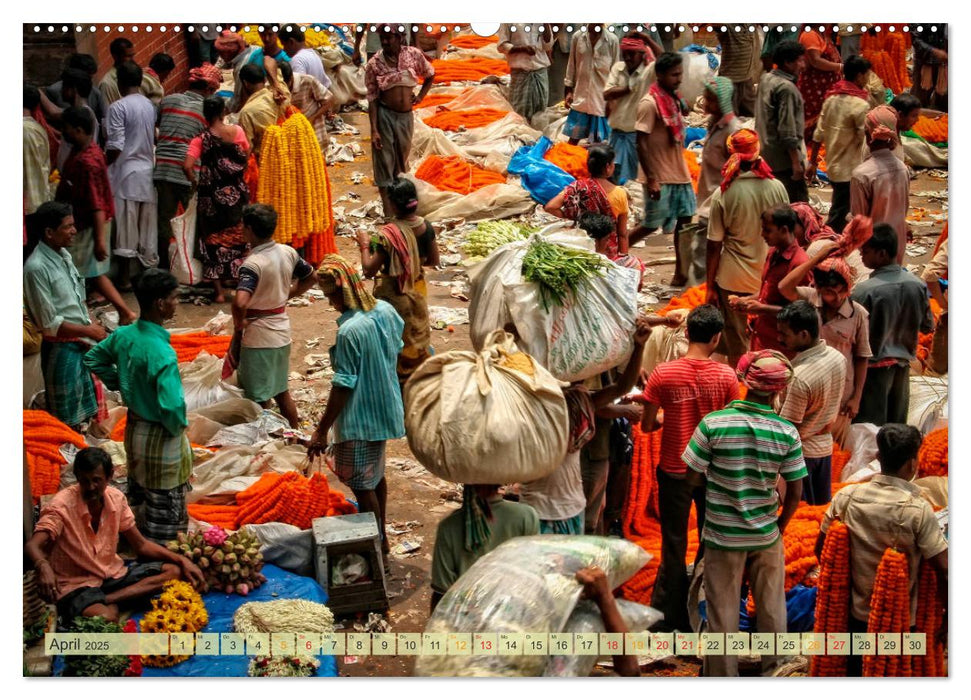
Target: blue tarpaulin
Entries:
(694, 133)
(541, 178)
(221, 608)
(800, 611)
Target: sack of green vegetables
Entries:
(573, 309)
(527, 584)
(492, 417)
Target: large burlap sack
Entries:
(202, 382)
(666, 344)
(471, 420)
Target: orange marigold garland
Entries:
(932, 457)
(889, 610)
(467, 69)
(43, 436)
(456, 120)
(833, 597)
(930, 620)
(572, 159)
(187, 346)
(453, 174)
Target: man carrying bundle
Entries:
(391, 78)
(365, 407)
(139, 361)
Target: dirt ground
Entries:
(417, 500)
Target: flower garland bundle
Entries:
(694, 169)
(434, 99)
(313, 38)
(690, 299)
(453, 174)
(932, 457)
(887, 52)
(930, 129)
(572, 159)
(43, 437)
(889, 612)
(473, 41)
(833, 597)
(293, 179)
(468, 69)
(187, 346)
(930, 619)
(179, 608)
(459, 119)
(285, 498)
(286, 615)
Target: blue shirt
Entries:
(365, 360)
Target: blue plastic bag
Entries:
(541, 178)
(694, 133)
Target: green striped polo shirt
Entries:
(742, 449)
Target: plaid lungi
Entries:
(156, 459)
(69, 387)
(359, 464)
(529, 91)
(160, 514)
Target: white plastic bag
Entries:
(666, 344)
(185, 267)
(862, 446)
(470, 420)
(928, 403)
(221, 474)
(203, 384)
(285, 546)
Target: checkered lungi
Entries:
(359, 464)
(529, 91)
(69, 387)
(160, 514)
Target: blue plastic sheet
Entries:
(694, 133)
(221, 608)
(800, 611)
(541, 178)
(704, 50)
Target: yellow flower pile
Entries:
(519, 361)
(293, 179)
(179, 608)
(314, 38)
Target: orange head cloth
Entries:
(230, 41)
(206, 73)
(743, 145)
(855, 234)
(881, 124)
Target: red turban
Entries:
(764, 371)
(881, 124)
(206, 73)
(744, 145)
(229, 41)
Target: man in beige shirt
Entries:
(887, 511)
(669, 198)
(840, 128)
(627, 84)
(527, 53)
(736, 251)
(592, 53)
(260, 108)
(814, 396)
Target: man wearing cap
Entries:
(739, 453)
(628, 82)
(180, 120)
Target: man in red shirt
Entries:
(785, 255)
(686, 390)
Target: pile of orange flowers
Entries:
(691, 160)
(889, 613)
(453, 174)
(187, 346)
(930, 619)
(933, 130)
(471, 69)
(833, 597)
(692, 298)
(436, 99)
(572, 159)
(459, 119)
(277, 498)
(932, 457)
(887, 52)
(43, 436)
(473, 41)
(293, 179)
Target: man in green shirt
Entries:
(484, 522)
(741, 451)
(139, 361)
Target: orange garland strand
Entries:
(691, 160)
(889, 612)
(833, 597)
(453, 174)
(930, 619)
(471, 69)
(473, 41)
(187, 346)
(459, 119)
(933, 130)
(932, 457)
(43, 436)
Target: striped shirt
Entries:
(813, 397)
(180, 121)
(80, 556)
(743, 449)
(365, 360)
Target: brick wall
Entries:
(147, 44)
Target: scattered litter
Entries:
(441, 317)
(220, 324)
(357, 178)
(318, 365)
(346, 153)
(661, 261)
(108, 318)
(937, 174)
(407, 548)
(452, 259)
(939, 195)
(915, 251)
(299, 301)
(313, 342)
(295, 377)
(372, 209)
(396, 528)
(375, 623)
(338, 126)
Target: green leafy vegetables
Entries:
(489, 235)
(559, 271)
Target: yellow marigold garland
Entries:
(179, 608)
